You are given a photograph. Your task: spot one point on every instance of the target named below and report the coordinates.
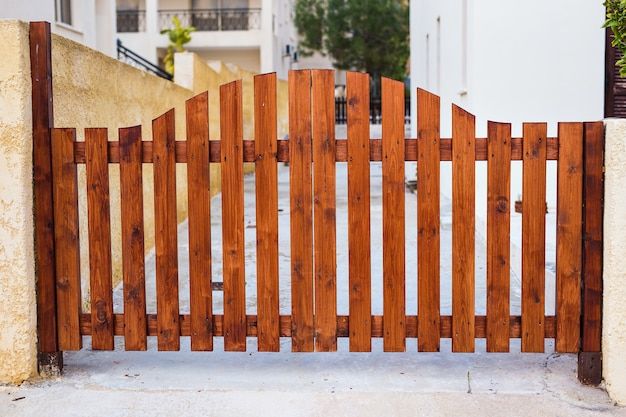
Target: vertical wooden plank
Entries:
(42, 110)
(198, 186)
(66, 241)
(266, 182)
(99, 228)
(428, 246)
(498, 236)
(133, 263)
(533, 237)
(463, 224)
(301, 227)
(393, 216)
(166, 241)
(589, 359)
(569, 236)
(359, 241)
(325, 242)
(231, 128)
(302, 326)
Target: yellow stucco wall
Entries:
(18, 313)
(90, 90)
(93, 90)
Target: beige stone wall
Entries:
(18, 314)
(90, 90)
(93, 90)
(614, 274)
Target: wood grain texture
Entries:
(359, 239)
(533, 237)
(463, 226)
(428, 243)
(166, 242)
(133, 261)
(324, 208)
(266, 182)
(199, 196)
(343, 324)
(231, 128)
(569, 237)
(66, 241)
(341, 150)
(99, 232)
(498, 236)
(301, 227)
(43, 120)
(593, 189)
(393, 215)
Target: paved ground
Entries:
(336, 384)
(339, 384)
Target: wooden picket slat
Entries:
(325, 241)
(266, 183)
(301, 227)
(231, 128)
(463, 224)
(99, 231)
(393, 215)
(569, 237)
(133, 262)
(533, 237)
(166, 241)
(66, 241)
(498, 236)
(428, 243)
(359, 241)
(199, 195)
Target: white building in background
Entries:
(256, 35)
(510, 61)
(90, 22)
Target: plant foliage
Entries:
(361, 35)
(616, 21)
(178, 36)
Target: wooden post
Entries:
(50, 359)
(590, 354)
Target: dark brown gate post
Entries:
(50, 359)
(590, 355)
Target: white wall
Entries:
(276, 31)
(510, 61)
(93, 21)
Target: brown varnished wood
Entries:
(99, 232)
(266, 187)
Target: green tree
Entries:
(361, 35)
(178, 36)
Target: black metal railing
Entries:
(341, 110)
(131, 58)
(131, 21)
(213, 19)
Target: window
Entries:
(63, 10)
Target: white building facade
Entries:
(256, 35)
(510, 61)
(90, 22)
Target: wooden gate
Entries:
(312, 152)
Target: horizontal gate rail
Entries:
(343, 325)
(341, 150)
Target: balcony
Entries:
(213, 19)
(131, 21)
